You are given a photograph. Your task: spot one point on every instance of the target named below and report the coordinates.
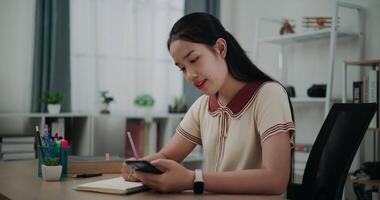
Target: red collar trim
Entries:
(239, 101)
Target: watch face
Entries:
(198, 187)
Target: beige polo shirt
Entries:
(232, 135)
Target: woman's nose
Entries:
(191, 75)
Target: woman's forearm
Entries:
(154, 156)
(258, 181)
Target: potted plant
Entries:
(144, 103)
(178, 107)
(106, 100)
(53, 101)
(51, 169)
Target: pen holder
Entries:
(60, 153)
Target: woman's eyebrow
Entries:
(187, 55)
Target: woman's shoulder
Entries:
(201, 102)
(272, 86)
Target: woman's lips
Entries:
(200, 84)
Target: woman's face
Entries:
(202, 66)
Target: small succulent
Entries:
(53, 97)
(105, 98)
(51, 161)
(144, 100)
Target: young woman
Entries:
(243, 120)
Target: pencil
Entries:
(132, 145)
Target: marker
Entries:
(132, 145)
(64, 143)
(86, 175)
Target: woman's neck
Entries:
(229, 89)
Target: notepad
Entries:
(112, 186)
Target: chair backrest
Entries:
(334, 149)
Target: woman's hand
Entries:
(175, 178)
(127, 174)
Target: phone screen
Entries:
(143, 166)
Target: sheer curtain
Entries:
(120, 46)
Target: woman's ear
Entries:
(221, 47)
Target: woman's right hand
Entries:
(128, 174)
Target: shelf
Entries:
(367, 182)
(377, 130)
(308, 100)
(307, 36)
(364, 62)
(44, 115)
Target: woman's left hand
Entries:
(175, 178)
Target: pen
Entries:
(38, 136)
(39, 146)
(86, 175)
(132, 145)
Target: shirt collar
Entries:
(239, 101)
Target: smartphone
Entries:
(143, 166)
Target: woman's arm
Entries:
(271, 178)
(176, 149)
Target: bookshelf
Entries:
(97, 134)
(372, 94)
(306, 108)
(75, 127)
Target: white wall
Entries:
(16, 54)
(16, 60)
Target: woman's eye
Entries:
(182, 69)
(194, 60)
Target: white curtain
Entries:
(120, 46)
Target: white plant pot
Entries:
(51, 173)
(54, 108)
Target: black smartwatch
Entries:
(198, 182)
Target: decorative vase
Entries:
(51, 173)
(54, 108)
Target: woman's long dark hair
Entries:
(206, 29)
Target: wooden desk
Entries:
(18, 180)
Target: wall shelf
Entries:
(307, 100)
(305, 37)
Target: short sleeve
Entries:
(189, 127)
(273, 114)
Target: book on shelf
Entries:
(372, 94)
(21, 139)
(137, 129)
(301, 157)
(18, 156)
(112, 186)
(357, 91)
(298, 147)
(151, 138)
(17, 147)
(94, 164)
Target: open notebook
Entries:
(112, 186)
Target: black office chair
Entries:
(333, 151)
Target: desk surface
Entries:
(18, 180)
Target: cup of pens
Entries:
(52, 157)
